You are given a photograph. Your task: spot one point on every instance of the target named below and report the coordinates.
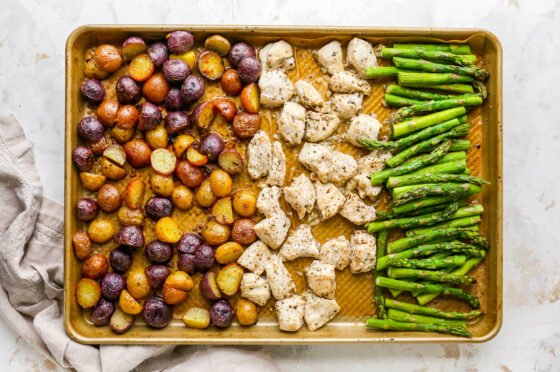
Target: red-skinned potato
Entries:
(82, 245)
(156, 88)
(134, 193)
(128, 91)
(141, 67)
(192, 89)
(203, 114)
(92, 181)
(91, 69)
(209, 287)
(225, 107)
(109, 198)
(230, 82)
(86, 209)
(101, 145)
(222, 211)
(163, 161)
(150, 116)
(108, 57)
(92, 90)
(179, 41)
(210, 65)
(130, 236)
(229, 279)
(189, 175)
(243, 231)
(211, 145)
(88, 293)
(158, 53)
(90, 129)
(132, 47)
(231, 161)
(127, 117)
(95, 266)
(245, 125)
(195, 157)
(175, 70)
(251, 98)
(138, 153)
(176, 121)
(83, 159)
(107, 112)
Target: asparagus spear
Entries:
(401, 316)
(435, 234)
(451, 48)
(460, 145)
(391, 100)
(453, 88)
(433, 178)
(421, 122)
(391, 325)
(458, 223)
(429, 78)
(429, 263)
(463, 270)
(464, 100)
(433, 276)
(449, 157)
(453, 190)
(460, 131)
(397, 90)
(380, 177)
(381, 71)
(428, 288)
(453, 166)
(480, 87)
(461, 60)
(423, 65)
(381, 248)
(470, 188)
(430, 311)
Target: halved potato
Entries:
(195, 157)
(88, 293)
(210, 65)
(180, 280)
(204, 195)
(197, 317)
(188, 57)
(173, 296)
(141, 67)
(137, 284)
(120, 321)
(182, 143)
(218, 44)
(128, 304)
(203, 114)
(225, 107)
(163, 161)
(251, 98)
(116, 154)
(92, 181)
(222, 211)
(111, 170)
(132, 47)
(130, 217)
(134, 193)
(167, 230)
(157, 138)
(231, 161)
(229, 279)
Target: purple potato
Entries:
(189, 243)
(158, 53)
(93, 90)
(158, 207)
(173, 100)
(156, 275)
(90, 129)
(192, 89)
(176, 121)
(101, 313)
(158, 252)
(112, 285)
(185, 262)
(120, 259)
(239, 51)
(249, 70)
(204, 258)
(86, 209)
(209, 287)
(175, 70)
(128, 91)
(132, 47)
(156, 312)
(212, 145)
(221, 314)
(179, 42)
(130, 236)
(150, 116)
(83, 158)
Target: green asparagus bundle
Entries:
(420, 204)
(451, 48)
(412, 125)
(397, 90)
(433, 276)
(391, 100)
(437, 234)
(452, 190)
(381, 71)
(457, 223)
(464, 100)
(461, 60)
(429, 263)
(423, 65)
(391, 325)
(430, 311)
(402, 316)
(378, 295)
(451, 88)
(416, 179)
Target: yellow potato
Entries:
(204, 195)
(157, 138)
(92, 181)
(221, 183)
(180, 280)
(167, 230)
(246, 312)
(111, 170)
(162, 185)
(222, 211)
(101, 231)
(128, 304)
(182, 143)
(229, 279)
(197, 317)
(163, 161)
(182, 197)
(228, 252)
(137, 284)
(244, 203)
(173, 296)
(130, 217)
(134, 193)
(88, 293)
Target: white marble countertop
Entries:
(32, 41)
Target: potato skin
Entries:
(189, 243)
(246, 312)
(155, 89)
(128, 91)
(230, 82)
(218, 44)
(243, 231)
(220, 183)
(204, 258)
(209, 287)
(109, 198)
(157, 207)
(204, 195)
(221, 314)
(158, 252)
(107, 112)
(90, 129)
(122, 135)
(120, 259)
(158, 53)
(137, 284)
(138, 153)
(92, 90)
(95, 266)
(157, 138)
(130, 236)
(249, 70)
(244, 202)
(127, 117)
(101, 231)
(215, 233)
(101, 313)
(182, 197)
(134, 193)
(229, 279)
(88, 293)
(83, 159)
(245, 125)
(82, 245)
(108, 57)
(162, 185)
(120, 321)
(228, 253)
(186, 263)
(179, 42)
(149, 117)
(86, 209)
(239, 51)
(156, 312)
(231, 161)
(132, 217)
(189, 175)
(156, 275)
(112, 284)
(192, 89)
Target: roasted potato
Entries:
(176, 122)
(209, 287)
(90, 129)
(220, 183)
(111, 170)
(229, 279)
(215, 233)
(204, 258)
(245, 125)
(88, 293)
(222, 211)
(189, 175)
(138, 153)
(98, 147)
(109, 198)
(173, 296)
(128, 304)
(204, 195)
(120, 321)
(116, 154)
(157, 138)
(212, 145)
(244, 202)
(246, 312)
(186, 263)
(92, 90)
(132, 47)
(149, 117)
(231, 161)
(249, 70)
(239, 51)
(121, 135)
(188, 57)
(82, 245)
(137, 284)
(210, 65)
(167, 230)
(163, 161)
(128, 91)
(130, 236)
(112, 284)
(230, 82)
(182, 143)
(243, 231)
(203, 114)
(157, 207)
(155, 89)
(192, 89)
(197, 317)
(225, 107)
(195, 157)
(173, 101)
(108, 57)
(92, 181)
(218, 44)
(101, 231)
(91, 69)
(156, 312)
(101, 313)
(221, 314)
(180, 280)
(86, 209)
(107, 112)
(120, 259)
(83, 159)
(162, 185)
(132, 217)
(95, 266)
(175, 70)
(251, 98)
(158, 252)
(182, 197)
(134, 193)
(228, 253)
(159, 53)
(141, 67)
(189, 243)
(156, 275)
(127, 117)
(179, 41)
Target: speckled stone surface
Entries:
(32, 40)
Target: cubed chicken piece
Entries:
(277, 56)
(363, 252)
(362, 127)
(320, 125)
(361, 184)
(279, 279)
(290, 313)
(356, 211)
(291, 124)
(301, 243)
(255, 257)
(255, 289)
(319, 311)
(315, 157)
(300, 195)
(308, 95)
(329, 199)
(360, 55)
(330, 57)
(277, 172)
(329, 165)
(275, 88)
(371, 163)
(321, 279)
(268, 202)
(346, 105)
(259, 155)
(336, 252)
(343, 168)
(273, 230)
(348, 82)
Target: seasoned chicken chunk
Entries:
(321, 279)
(277, 56)
(255, 289)
(273, 230)
(279, 279)
(301, 243)
(336, 252)
(363, 252)
(291, 124)
(308, 95)
(371, 163)
(290, 313)
(329, 199)
(275, 88)
(254, 257)
(277, 172)
(329, 165)
(356, 211)
(330, 57)
(300, 195)
(360, 55)
(320, 125)
(362, 127)
(268, 202)
(259, 155)
(346, 105)
(318, 311)
(343, 168)
(348, 82)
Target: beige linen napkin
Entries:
(31, 280)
